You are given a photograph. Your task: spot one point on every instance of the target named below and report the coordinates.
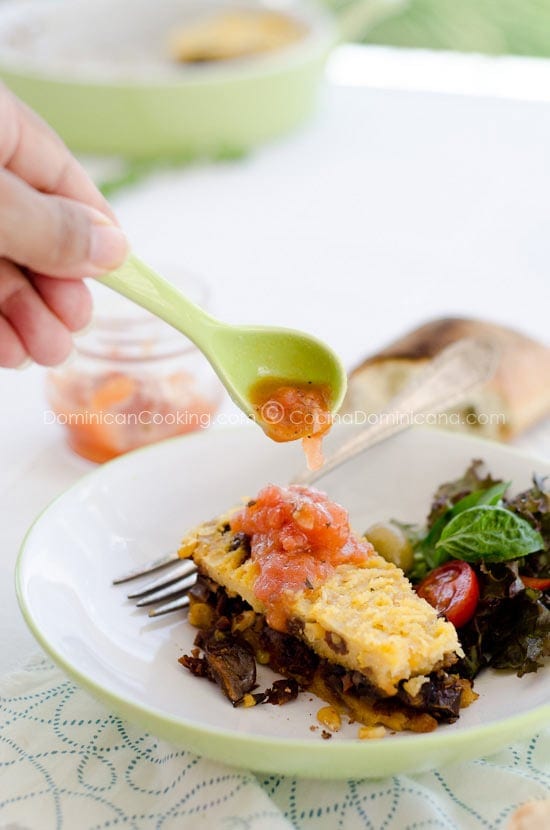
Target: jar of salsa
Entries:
(133, 381)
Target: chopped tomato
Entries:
(116, 389)
(453, 590)
(112, 413)
(297, 537)
(537, 583)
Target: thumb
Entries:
(56, 236)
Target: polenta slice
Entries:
(286, 578)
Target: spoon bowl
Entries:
(240, 355)
(251, 353)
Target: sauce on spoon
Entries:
(289, 411)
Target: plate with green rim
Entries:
(139, 506)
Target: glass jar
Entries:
(133, 381)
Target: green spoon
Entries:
(240, 355)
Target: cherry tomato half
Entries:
(535, 582)
(453, 590)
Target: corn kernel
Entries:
(330, 718)
(369, 732)
(248, 701)
(200, 615)
(243, 621)
(262, 657)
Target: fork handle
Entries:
(448, 378)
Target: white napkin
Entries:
(67, 763)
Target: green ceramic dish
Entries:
(138, 507)
(99, 74)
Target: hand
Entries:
(55, 228)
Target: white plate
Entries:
(138, 507)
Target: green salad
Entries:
(483, 561)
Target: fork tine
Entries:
(183, 568)
(169, 591)
(168, 607)
(148, 568)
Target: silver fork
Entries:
(172, 586)
(444, 383)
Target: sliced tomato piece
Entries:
(453, 590)
(535, 582)
(116, 389)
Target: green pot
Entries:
(125, 98)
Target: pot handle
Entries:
(356, 17)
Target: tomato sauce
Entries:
(291, 411)
(297, 538)
(112, 413)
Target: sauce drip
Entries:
(290, 411)
(297, 538)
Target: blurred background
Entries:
(495, 27)
(338, 166)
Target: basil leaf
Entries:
(489, 532)
(449, 493)
(428, 550)
(492, 495)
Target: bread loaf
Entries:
(517, 397)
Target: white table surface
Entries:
(393, 205)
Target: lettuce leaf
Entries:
(511, 627)
(534, 506)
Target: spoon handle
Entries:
(443, 384)
(148, 289)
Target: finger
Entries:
(55, 236)
(70, 300)
(35, 153)
(43, 336)
(12, 351)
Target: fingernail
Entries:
(26, 363)
(68, 360)
(81, 332)
(108, 246)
